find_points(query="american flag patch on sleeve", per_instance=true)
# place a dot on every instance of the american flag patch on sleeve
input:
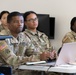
(2, 45)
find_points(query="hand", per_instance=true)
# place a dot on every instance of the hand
(44, 56)
(53, 54)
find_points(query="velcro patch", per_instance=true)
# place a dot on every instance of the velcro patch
(2, 45)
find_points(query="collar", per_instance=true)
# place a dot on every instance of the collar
(74, 34)
(35, 33)
(31, 32)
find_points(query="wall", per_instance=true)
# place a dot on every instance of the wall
(62, 10)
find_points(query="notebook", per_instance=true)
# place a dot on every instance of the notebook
(38, 62)
(42, 63)
(67, 54)
(50, 64)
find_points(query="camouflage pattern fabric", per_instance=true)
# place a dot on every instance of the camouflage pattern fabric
(24, 46)
(36, 43)
(10, 57)
(69, 37)
(1, 27)
(3, 31)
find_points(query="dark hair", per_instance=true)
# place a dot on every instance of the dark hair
(27, 13)
(12, 14)
(2, 13)
(59, 50)
(72, 23)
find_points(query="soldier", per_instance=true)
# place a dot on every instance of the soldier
(7, 56)
(71, 36)
(3, 19)
(37, 42)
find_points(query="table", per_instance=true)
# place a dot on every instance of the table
(33, 67)
(39, 67)
(70, 69)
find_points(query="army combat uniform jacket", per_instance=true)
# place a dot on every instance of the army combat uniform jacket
(27, 47)
(36, 43)
(3, 31)
(69, 37)
(10, 57)
(1, 27)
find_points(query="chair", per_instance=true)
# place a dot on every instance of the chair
(6, 70)
(3, 37)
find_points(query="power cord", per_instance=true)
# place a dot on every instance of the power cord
(50, 67)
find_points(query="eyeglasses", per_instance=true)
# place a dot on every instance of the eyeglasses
(32, 20)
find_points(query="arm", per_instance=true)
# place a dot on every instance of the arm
(10, 58)
(49, 52)
(68, 38)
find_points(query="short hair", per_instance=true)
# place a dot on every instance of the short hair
(72, 23)
(28, 13)
(2, 13)
(12, 14)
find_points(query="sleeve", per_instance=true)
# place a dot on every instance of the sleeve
(68, 38)
(10, 58)
(3, 32)
(21, 50)
(48, 42)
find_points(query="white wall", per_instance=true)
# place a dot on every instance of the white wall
(62, 10)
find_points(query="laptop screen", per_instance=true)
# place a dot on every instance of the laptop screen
(67, 54)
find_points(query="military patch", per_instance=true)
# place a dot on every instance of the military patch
(2, 45)
(6, 53)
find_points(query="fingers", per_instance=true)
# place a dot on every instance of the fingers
(53, 55)
(43, 56)
(47, 55)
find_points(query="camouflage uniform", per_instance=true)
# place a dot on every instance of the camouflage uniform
(36, 43)
(9, 58)
(3, 31)
(1, 27)
(26, 47)
(69, 37)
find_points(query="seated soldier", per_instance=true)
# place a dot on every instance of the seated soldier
(7, 56)
(70, 36)
(37, 42)
(3, 20)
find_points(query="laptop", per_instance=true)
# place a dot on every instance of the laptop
(67, 54)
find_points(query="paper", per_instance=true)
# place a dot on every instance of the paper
(32, 63)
